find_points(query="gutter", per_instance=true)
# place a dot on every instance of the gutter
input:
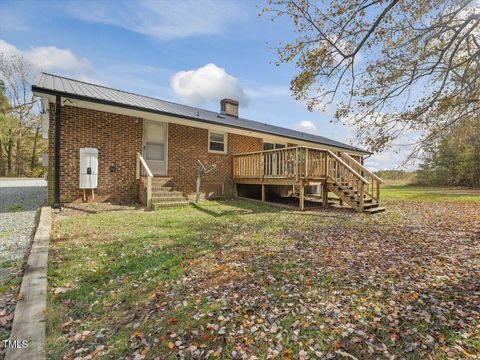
(37, 89)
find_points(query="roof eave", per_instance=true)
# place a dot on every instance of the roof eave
(41, 90)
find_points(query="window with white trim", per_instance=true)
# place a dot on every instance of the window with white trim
(217, 142)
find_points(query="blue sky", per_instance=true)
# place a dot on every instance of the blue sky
(193, 52)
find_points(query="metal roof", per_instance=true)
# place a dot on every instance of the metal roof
(58, 85)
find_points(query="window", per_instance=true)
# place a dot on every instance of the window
(217, 142)
(272, 146)
(155, 151)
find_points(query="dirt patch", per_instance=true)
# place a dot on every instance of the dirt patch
(74, 209)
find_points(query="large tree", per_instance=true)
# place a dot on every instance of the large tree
(392, 67)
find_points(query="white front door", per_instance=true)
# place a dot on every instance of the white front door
(155, 147)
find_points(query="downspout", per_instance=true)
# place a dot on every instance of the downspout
(365, 158)
(58, 113)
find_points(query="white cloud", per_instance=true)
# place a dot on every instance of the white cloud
(306, 126)
(8, 50)
(53, 58)
(164, 20)
(208, 83)
(47, 58)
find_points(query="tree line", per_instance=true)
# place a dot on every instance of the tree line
(454, 159)
(21, 141)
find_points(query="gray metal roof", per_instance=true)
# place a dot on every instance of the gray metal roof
(58, 85)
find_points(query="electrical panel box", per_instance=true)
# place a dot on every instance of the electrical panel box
(88, 168)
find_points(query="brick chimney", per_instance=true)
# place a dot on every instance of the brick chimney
(229, 107)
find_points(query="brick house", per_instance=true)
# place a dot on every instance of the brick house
(169, 141)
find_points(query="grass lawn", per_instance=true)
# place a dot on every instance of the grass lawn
(238, 279)
(420, 193)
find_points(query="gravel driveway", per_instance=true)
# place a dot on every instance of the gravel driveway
(19, 202)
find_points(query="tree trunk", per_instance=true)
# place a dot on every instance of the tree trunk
(9, 158)
(34, 150)
(2, 163)
(476, 163)
(17, 157)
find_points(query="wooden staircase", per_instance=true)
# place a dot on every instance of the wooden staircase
(164, 193)
(350, 196)
(354, 184)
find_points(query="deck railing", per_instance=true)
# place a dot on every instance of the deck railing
(298, 162)
(374, 182)
(302, 163)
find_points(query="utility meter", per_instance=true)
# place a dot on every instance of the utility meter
(88, 168)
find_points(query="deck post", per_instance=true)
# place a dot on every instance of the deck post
(263, 192)
(262, 165)
(302, 196)
(325, 194)
(235, 190)
(296, 163)
(361, 192)
(306, 163)
(149, 191)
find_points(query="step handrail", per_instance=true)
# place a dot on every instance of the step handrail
(360, 177)
(363, 168)
(141, 161)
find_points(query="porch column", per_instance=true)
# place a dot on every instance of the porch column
(58, 113)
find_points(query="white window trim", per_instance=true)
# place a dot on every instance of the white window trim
(225, 142)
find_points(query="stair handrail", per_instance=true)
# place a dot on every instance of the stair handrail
(360, 177)
(141, 161)
(374, 190)
(363, 168)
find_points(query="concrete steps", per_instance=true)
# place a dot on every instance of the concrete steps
(164, 193)
(164, 204)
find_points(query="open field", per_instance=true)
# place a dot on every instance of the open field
(420, 193)
(238, 279)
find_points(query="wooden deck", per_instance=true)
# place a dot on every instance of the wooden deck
(299, 166)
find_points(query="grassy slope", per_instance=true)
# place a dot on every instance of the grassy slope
(167, 282)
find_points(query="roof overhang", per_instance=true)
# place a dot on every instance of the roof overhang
(150, 114)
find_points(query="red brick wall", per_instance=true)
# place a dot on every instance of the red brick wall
(188, 144)
(117, 138)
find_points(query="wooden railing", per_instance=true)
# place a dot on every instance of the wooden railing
(374, 182)
(294, 162)
(142, 163)
(308, 163)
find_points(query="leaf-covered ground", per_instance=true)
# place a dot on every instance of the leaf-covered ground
(241, 280)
